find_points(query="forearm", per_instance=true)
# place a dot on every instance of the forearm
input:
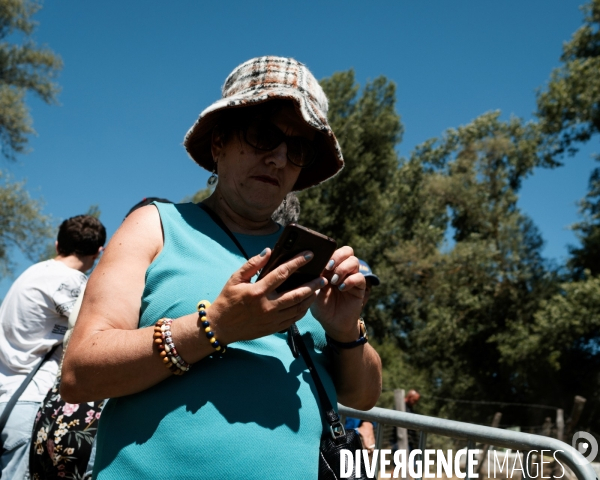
(113, 363)
(357, 376)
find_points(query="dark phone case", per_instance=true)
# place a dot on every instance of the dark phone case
(321, 246)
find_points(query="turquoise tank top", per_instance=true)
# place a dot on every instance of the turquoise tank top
(252, 414)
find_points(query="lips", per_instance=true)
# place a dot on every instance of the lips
(266, 179)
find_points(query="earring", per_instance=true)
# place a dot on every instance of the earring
(212, 180)
(285, 203)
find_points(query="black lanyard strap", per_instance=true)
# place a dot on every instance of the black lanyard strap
(331, 416)
(224, 227)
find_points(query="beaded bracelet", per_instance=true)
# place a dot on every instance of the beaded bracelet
(202, 306)
(170, 357)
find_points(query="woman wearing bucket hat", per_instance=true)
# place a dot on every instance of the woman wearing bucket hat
(233, 400)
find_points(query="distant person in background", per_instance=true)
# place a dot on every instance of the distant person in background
(33, 321)
(288, 211)
(74, 425)
(365, 428)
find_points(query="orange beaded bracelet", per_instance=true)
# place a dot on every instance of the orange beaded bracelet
(168, 352)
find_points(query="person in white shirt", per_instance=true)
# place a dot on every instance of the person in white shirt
(33, 319)
(63, 436)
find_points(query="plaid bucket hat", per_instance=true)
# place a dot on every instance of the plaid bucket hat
(262, 79)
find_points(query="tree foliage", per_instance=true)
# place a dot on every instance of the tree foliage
(465, 288)
(468, 262)
(23, 68)
(22, 224)
(587, 255)
(353, 206)
(357, 206)
(569, 108)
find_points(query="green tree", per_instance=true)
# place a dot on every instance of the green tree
(564, 341)
(569, 107)
(587, 256)
(352, 207)
(356, 206)
(24, 68)
(560, 348)
(467, 262)
(22, 224)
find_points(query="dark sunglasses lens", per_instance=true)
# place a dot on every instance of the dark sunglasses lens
(300, 151)
(263, 136)
(266, 136)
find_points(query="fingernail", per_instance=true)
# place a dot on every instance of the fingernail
(263, 253)
(342, 286)
(322, 283)
(335, 278)
(308, 256)
(330, 265)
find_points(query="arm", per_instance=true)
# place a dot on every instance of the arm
(357, 376)
(367, 432)
(109, 356)
(356, 372)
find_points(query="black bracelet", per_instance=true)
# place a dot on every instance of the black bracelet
(364, 338)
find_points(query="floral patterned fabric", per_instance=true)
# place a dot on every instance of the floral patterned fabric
(62, 437)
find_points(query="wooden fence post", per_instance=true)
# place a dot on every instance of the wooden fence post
(401, 433)
(578, 404)
(560, 424)
(495, 424)
(560, 430)
(547, 427)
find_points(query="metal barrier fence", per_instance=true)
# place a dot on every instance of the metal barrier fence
(472, 433)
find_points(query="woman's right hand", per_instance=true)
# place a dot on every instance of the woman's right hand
(245, 310)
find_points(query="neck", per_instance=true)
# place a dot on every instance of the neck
(73, 261)
(240, 222)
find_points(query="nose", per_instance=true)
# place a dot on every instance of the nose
(278, 156)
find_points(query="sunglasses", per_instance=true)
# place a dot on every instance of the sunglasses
(263, 135)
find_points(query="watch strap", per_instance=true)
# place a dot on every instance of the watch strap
(356, 343)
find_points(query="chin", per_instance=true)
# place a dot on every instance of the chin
(264, 202)
(262, 210)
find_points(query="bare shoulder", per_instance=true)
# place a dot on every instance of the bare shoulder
(113, 294)
(136, 243)
(141, 231)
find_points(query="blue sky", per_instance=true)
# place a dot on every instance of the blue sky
(137, 74)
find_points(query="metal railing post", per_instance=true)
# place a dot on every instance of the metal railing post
(421, 456)
(378, 442)
(525, 465)
(470, 446)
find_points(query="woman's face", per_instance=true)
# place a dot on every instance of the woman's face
(254, 182)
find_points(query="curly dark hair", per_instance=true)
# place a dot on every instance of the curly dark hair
(81, 235)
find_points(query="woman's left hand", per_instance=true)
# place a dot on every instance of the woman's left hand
(339, 303)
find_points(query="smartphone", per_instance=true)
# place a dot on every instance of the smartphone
(295, 239)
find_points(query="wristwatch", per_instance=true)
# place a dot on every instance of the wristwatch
(362, 339)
